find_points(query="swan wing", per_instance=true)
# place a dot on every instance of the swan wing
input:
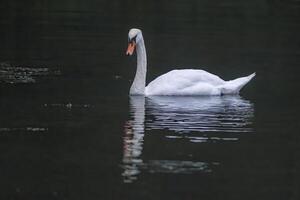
(185, 82)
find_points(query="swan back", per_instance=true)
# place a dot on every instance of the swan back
(185, 82)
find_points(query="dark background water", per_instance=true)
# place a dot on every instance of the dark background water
(68, 129)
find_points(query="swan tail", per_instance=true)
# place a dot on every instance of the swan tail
(234, 86)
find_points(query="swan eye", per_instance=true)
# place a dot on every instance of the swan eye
(132, 39)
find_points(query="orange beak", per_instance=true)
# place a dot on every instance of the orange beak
(130, 48)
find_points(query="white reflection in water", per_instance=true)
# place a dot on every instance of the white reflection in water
(133, 139)
(204, 114)
(197, 119)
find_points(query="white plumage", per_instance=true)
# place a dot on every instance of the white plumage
(185, 82)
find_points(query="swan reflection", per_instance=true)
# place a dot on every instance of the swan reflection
(196, 119)
(133, 139)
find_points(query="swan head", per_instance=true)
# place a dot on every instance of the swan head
(134, 37)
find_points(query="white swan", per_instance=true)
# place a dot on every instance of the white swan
(177, 82)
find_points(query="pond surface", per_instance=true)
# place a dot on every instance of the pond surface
(69, 130)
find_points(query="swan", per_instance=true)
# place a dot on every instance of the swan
(184, 82)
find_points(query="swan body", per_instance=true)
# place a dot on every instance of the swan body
(184, 82)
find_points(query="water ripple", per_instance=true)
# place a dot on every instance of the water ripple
(195, 119)
(166, 166)
(66, 105)
(20, 74)
(23, 129)
(199, 114)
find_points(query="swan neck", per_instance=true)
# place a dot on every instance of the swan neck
(139, 83)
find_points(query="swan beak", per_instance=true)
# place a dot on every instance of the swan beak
(130, 48)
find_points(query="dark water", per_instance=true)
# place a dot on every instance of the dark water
(68, 129)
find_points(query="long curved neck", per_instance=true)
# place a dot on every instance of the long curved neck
(139, 82)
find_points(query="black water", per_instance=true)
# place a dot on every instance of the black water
(68, 129)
